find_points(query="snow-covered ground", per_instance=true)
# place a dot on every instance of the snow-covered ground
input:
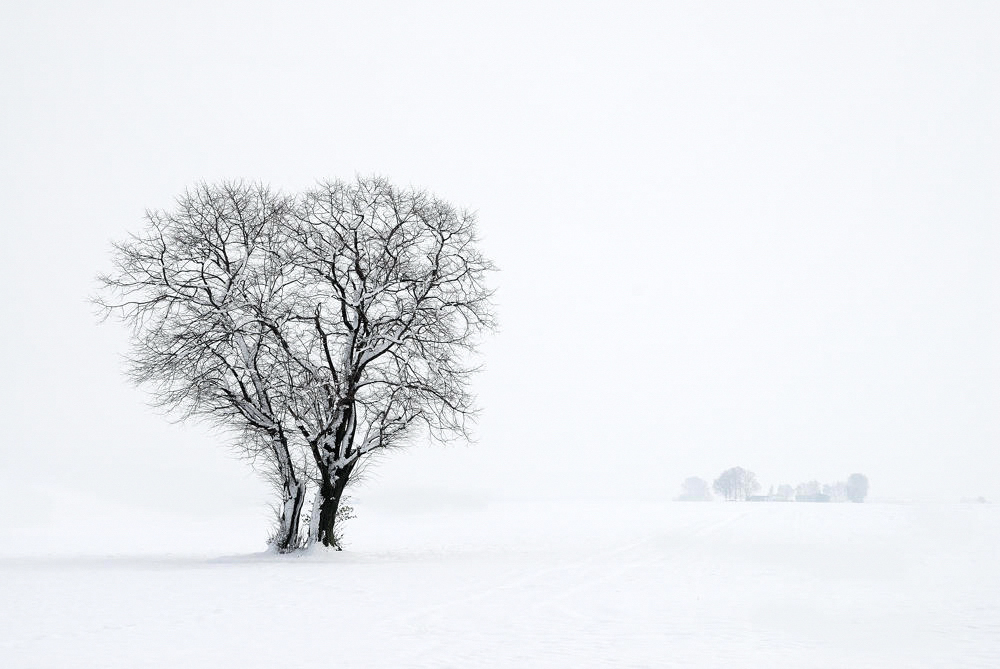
(539, 585)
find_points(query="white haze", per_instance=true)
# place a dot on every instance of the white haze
(755, 234)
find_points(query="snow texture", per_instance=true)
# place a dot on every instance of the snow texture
(540, 585)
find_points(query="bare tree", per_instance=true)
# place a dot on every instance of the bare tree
(694, 489)
(189, 286)
(396, 299)
(837, 492)
(321, 328)
(808, 489)
(857, 487)
(736, 483)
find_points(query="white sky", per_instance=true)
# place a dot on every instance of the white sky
(757, 234)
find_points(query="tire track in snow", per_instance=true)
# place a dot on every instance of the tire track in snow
(706, 530)
(582, 574)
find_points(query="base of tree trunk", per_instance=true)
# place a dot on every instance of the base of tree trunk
(331, 491)
(287, 538)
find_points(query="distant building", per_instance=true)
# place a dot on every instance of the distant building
(767, 498)
(815, 497)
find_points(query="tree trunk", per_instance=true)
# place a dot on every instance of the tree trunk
(287, 537)
(331, 491)
(293, 495)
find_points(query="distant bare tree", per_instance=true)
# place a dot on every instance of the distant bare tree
(695, 489)
(837, 492)
(321, 328)
(785, 491)
(857, 487)
(736, 484)
(809, 488)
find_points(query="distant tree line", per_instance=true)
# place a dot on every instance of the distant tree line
(739, 484)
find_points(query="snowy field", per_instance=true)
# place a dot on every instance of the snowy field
(539, 585)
